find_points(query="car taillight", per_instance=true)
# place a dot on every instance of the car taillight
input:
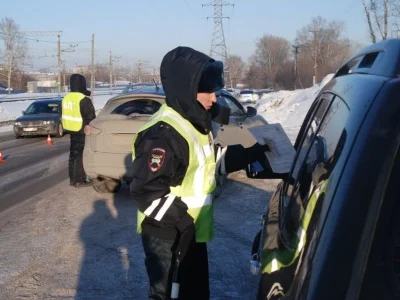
(90, 130)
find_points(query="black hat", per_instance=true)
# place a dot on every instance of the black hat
(212, 78)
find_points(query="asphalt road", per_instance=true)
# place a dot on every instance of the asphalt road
(30, 167)
(59, 242)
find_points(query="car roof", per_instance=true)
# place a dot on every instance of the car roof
(157, 91)
(48, 100)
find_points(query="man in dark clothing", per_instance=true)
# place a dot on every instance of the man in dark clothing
(175, 163)
(77, 112)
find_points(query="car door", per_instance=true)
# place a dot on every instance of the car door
(319, 147)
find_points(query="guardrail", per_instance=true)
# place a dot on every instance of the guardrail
(48, 96)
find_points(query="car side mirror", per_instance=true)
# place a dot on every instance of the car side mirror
(256, 171)
(251, 111)
(23, 112)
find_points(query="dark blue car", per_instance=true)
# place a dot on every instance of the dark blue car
(332, 228)
(42, 117)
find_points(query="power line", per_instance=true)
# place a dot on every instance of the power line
(348, 8)
(218, 45)
(22, 36)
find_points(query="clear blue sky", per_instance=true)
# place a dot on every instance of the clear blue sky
(146, 30)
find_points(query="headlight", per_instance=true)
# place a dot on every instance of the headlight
(17, 124)
(48, 122)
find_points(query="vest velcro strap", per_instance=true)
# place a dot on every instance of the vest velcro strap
(199, 201)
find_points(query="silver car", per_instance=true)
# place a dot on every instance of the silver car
(107, 157)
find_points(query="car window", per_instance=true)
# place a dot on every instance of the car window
(139, 106)
(318, 151)
(246, 92)
(42, 108)
(234, 106)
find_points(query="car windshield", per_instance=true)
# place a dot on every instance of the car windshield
(42, 108)
(246, 92)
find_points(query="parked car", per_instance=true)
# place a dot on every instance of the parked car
(248, 96)
(131, 87)
(332, 227)
(234, 92)
(42, 117)
(107, 155)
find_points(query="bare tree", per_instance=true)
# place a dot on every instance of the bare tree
(15, 47)
(271, 54)
(236, 68)
(377, 14)
(323, 49)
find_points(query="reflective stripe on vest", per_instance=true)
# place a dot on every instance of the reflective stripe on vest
(199, 182)
(274, 260)
(71, 111)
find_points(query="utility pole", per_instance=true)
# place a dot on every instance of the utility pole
(140, 68)
(59, 63)
(112, 58)
(295, 52)
(110, 63)
(92, 71)
(218, 46)
(315, 31)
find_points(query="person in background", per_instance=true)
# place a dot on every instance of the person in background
(77, 112)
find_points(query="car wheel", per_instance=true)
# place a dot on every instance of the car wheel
(18, 136)
(106, 185)
(60, 131)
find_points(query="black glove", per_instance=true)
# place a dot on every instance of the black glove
(256, 152)
(185, 237)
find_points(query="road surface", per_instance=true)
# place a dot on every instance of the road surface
(59, 242)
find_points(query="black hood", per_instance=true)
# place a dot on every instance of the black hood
(77, 83)
(181, 71)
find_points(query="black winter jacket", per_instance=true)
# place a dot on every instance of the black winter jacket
(180, 73)
(78, 84)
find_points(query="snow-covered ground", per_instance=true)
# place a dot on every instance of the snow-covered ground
(289, 107)
(286, 107)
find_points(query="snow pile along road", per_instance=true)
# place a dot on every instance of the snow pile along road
(290, 107)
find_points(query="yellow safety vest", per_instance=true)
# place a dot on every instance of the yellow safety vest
(71, 111)
(197, 187)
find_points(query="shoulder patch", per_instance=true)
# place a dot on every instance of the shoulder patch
(156, 159)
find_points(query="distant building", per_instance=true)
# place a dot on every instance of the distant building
(44, 86)
(39, 76)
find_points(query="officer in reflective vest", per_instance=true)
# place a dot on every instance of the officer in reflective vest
(77, 112)
(175, 163)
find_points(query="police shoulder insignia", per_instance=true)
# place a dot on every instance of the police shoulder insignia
(156, 159)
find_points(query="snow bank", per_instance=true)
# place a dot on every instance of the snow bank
(12, 110)
(289, 107)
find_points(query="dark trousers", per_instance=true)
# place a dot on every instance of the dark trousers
(76, 172)
(193, 270)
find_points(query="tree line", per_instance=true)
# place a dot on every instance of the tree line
(319, 48)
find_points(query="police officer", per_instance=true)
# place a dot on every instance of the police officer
(174, 168)
(77, 112)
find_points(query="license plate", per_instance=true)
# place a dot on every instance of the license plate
(30, 129)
